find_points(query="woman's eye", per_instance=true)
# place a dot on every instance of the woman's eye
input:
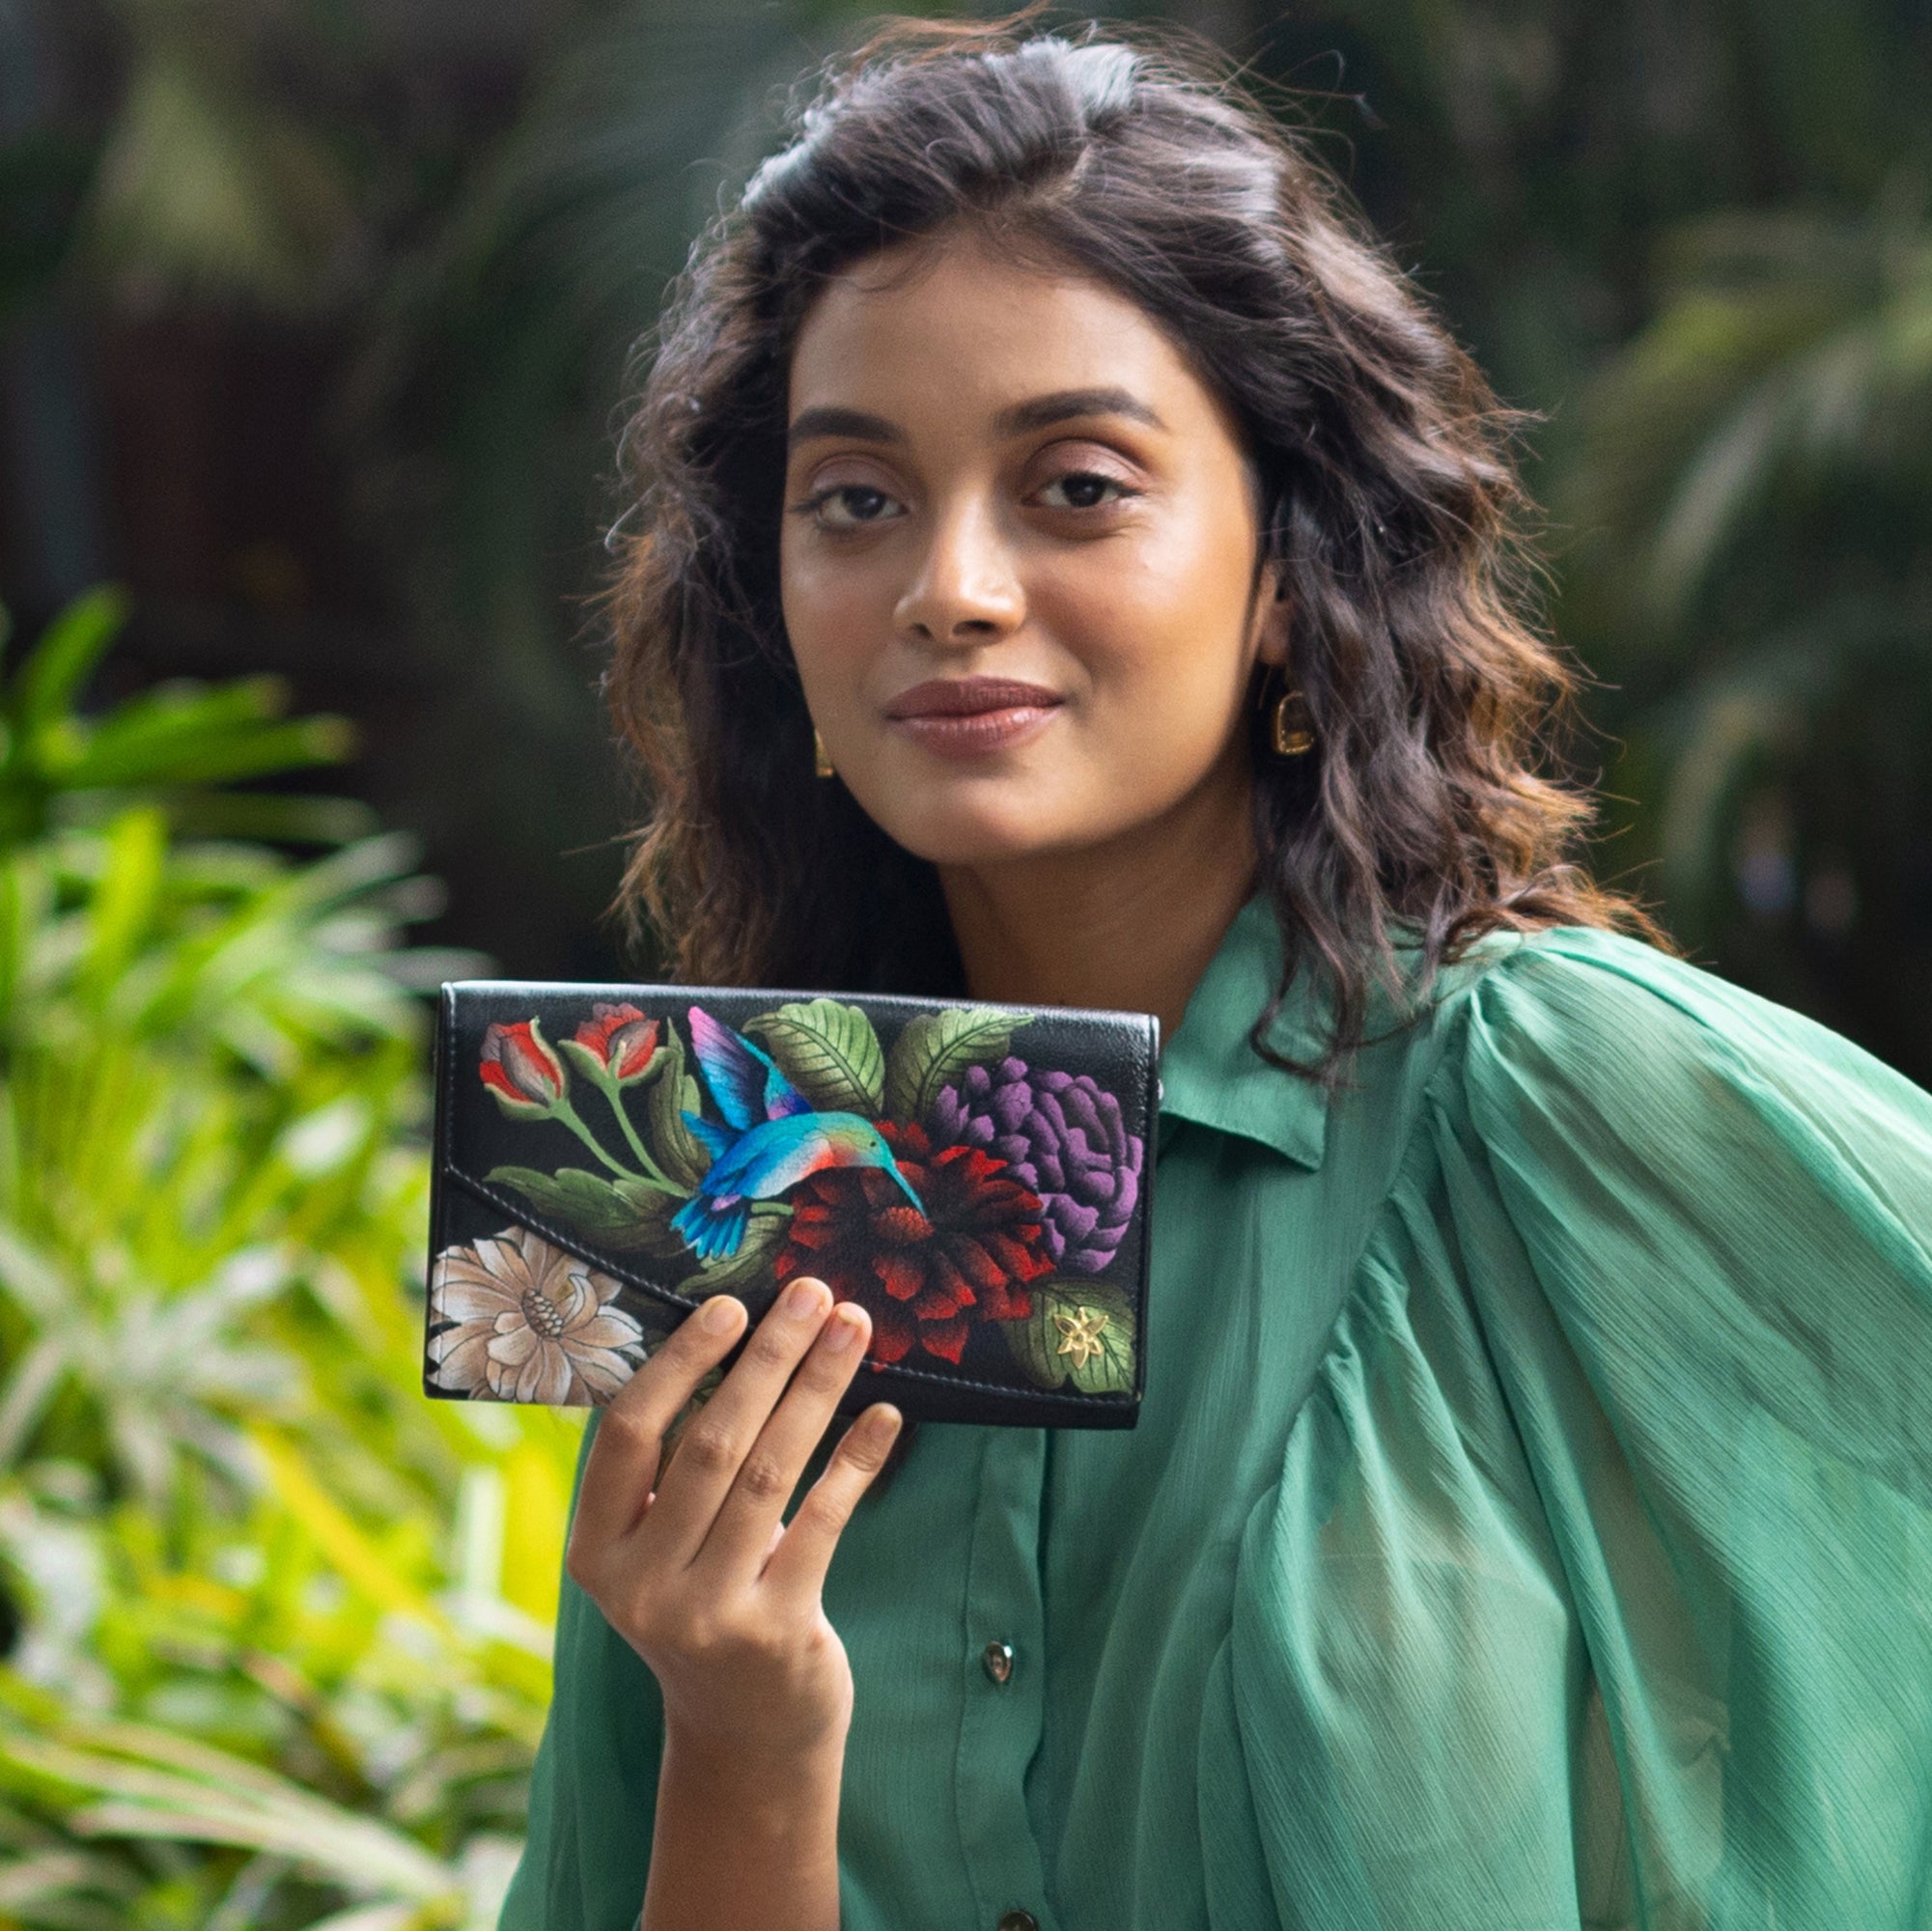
(1083, 490)
(851, 506)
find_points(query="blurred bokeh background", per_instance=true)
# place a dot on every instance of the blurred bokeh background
(315, 317)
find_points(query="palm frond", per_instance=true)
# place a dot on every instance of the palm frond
(1789, 351)
(148, 1783)
(208, 192)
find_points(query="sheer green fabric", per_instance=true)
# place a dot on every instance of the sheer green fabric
(1530, 1524)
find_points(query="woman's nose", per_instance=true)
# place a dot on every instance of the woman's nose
(967, 590)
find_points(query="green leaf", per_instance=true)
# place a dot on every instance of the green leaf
(937, 1047)
(751, 1264)
(829, 1051)
(128, 896)
(678, 1149)
(68, 648)
(1045, 1344)
(588, 1063)
(184, 734)
(595, 1068)
(294, 818)
(625, 1215)
(653, 1233)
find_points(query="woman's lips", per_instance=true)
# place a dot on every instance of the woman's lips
(968, 717)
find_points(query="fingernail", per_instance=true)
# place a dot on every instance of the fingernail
(804, 1297)
(843, 1331)
(719, 1313)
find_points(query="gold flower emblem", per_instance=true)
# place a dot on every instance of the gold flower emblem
(1079, 1334)
(533, 1324)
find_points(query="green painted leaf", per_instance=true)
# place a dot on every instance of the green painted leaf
(584, 1199)
(625, 1215)
(1091, 1307)
(829, 1051)
(677, 1148)
(751, 1265)
(583, 1059)
(596, 1069)
(1036, 1362)
(935, 1048)
(652, 1232)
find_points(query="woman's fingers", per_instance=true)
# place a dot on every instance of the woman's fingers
(712, 1447)
(799, 1565)
(624, 1458)
(739, 1457)
(743, 1535)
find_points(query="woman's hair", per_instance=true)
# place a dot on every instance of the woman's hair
(1390, 503)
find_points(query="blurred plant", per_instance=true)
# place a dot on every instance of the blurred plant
(481, 272)
(1757, 464)
(495, 358)
(208, 186)
(172, 744)
(1791, 358)
(44, 179)
(254, 1675)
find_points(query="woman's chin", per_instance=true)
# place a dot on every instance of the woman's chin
(981, 837)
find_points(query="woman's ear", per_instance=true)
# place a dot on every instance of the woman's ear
(1273, 609)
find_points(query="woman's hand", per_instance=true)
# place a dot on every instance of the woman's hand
(693, 1562)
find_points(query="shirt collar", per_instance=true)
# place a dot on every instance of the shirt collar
(1209, 1072)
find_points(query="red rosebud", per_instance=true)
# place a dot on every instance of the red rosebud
(616, 1041)
(519, 1068)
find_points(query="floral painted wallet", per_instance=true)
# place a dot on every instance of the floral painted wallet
(977, 1177)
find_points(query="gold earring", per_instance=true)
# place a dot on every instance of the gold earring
(1291, 730)
(822, 763)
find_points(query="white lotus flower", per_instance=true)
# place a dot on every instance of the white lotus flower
(533, 1324)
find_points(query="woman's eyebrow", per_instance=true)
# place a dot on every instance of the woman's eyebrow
(1022, 419)
(1063, 405)
(832, 421)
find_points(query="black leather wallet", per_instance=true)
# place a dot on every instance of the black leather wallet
(976, 1176)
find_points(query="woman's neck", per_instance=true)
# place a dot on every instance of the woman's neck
(1130, 926)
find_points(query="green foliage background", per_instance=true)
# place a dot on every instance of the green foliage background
(279, 1627)
(274, 1629)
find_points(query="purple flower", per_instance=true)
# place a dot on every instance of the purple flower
(1063, 1138)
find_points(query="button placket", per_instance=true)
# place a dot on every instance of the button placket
(1004, 1707)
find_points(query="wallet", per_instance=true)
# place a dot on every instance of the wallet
(978, 1177)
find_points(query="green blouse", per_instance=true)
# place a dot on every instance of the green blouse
(1528, 1524)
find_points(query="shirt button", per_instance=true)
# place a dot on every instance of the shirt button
(1018, 1920)
(996, 1659)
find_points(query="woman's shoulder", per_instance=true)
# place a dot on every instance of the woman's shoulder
(1633, 1361)
(1633, 1114)
(1621, 1030)
(1587, 1081)
(1589, 987)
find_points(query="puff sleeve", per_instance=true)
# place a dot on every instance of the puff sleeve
(1596, 1590)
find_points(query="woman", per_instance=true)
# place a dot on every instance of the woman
(1528, 1521)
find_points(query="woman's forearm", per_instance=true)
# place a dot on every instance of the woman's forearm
(743, 1847)
(689, 1558)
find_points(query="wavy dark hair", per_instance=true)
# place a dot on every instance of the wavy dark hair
(1391, 505)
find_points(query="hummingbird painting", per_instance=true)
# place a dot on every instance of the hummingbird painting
(771, 1139)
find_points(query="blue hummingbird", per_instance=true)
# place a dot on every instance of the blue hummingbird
(771, 1139)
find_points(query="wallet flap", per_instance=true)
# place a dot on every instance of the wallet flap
(977, 1176)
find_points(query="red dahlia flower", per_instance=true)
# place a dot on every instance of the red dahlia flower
(519, 1068)
(926, 1276)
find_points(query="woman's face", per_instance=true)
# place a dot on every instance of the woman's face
(1018, 561)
